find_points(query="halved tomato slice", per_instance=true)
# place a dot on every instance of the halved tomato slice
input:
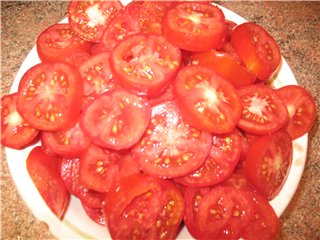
(170, 147)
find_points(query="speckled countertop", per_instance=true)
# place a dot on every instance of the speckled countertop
(295, 26)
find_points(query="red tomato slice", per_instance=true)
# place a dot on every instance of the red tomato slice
(207, 101)
(70, 143)
(167, 95)
(195, 27)
(222, 160)
(301, 108)
(77, 58)
(50, 96)
(58, 41)
(264, 221)
(268, 163)
(225, 66)
(119, 119)
(144, 207)
(257, 49)
(96, 214)
(230, 27)
(96, 75)
(69, 171)
(263, 111)
(89, 19)
(145, 64)
(169, 147)
(15, 132)
(43, 170)
(223, 213)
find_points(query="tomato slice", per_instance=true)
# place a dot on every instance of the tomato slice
(145, 64)
(195, 27)
(43, 170)
(170, 147)
(70, 143)
(96, 214)
(58, 41)
(222, 160)
(69, 171)
(207, 101)
(97, 75)
(257, 48)
(50, 96)
(268, 163)
(144, 207)
(263, 111)
(225, 66)
(77, 58)
(120, 119)
(301, 108)
(15, 132)
(89, 19)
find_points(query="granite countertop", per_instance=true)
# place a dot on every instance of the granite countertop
(295, 26)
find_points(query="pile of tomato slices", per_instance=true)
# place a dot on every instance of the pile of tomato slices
(156, 114)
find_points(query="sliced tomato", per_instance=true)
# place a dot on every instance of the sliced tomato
(230, 26)
(89, 19)
(170, 147)
(119, 119)
(145, 64)
(69, 171)
(222, 160)
(268, 163)
(77, 58)
(301, 108)
(257, 49)
(223, 213)
(50, 96)
(263, 111)
(96, 214)
(97, 75)
(167, 95)
(144, 207)
(15, 131)
(58, 41)
(207, 101)
(224, 65)
(69, 143)
(195, 27)
(43, 170)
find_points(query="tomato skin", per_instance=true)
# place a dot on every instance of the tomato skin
(301, 108)
(58, 41)
(88, 19)
(257, 48)
(225, 66)
(43, 170)
(188, 24)
(15, 132)
(145, 64)
(207, 101)
(268, 162)
(263, 110)
(50, 96)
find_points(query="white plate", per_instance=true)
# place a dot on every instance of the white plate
(76, 224)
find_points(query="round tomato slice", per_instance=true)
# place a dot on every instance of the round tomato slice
(223, 213)
(43, 170)
(195, 27)
(224, 65)
(268, 163)
(70, 143)
(50, 96)
(263, 111)
(257, 49)
(58, 41)
(89, 19)
(170, 147)
(15, 132)
(301, 108)
(222, 160)
(144, 207)
(207, 101)
(145, 64)
(119, 119)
